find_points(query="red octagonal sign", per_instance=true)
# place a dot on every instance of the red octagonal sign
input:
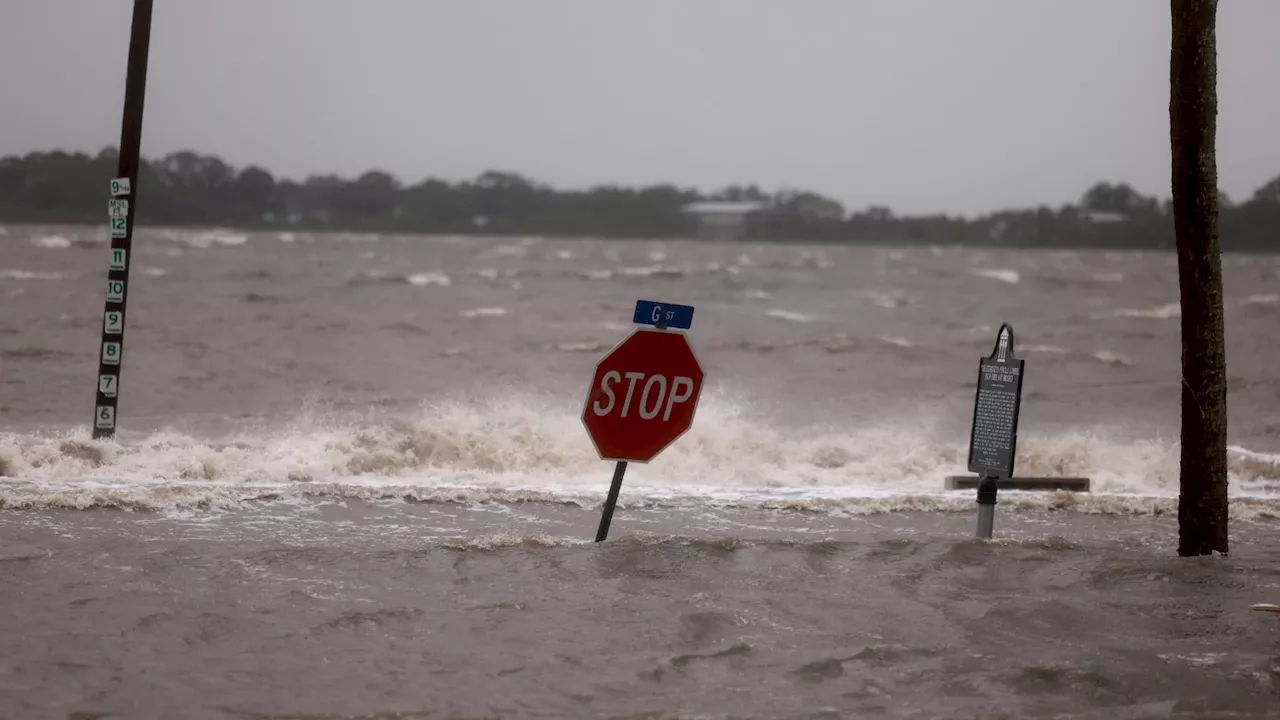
(643, 395)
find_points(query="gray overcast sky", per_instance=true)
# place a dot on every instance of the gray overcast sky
(959, 106)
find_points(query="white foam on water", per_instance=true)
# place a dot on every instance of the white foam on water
(4, 231)
(652, 271)
(534, 448)
(898, 341)
(485, 312)
(596, 274)
(1048, 349)
(889, 300)
(19, 274)
(1111, 357)
(426, 279)
(813, 259)
(51, 242)
(355, 237)
(209, 238)
(286, 237)
(153, 271)
(757, 295)
(790, 315)
(1267, 299)
(1110, 277)
(585, 346)
(487, 273)
(1160, 312)
(563, 255)
(509, 251)
(1008, 276)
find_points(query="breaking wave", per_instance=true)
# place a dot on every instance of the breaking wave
(534, 449)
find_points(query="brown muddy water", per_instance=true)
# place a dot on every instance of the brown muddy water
(351, 482)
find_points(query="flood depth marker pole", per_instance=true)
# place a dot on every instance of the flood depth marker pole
(121, 209)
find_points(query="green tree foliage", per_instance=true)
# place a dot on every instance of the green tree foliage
(186, 188)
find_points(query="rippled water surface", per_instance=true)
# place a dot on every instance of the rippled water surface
(351, 481)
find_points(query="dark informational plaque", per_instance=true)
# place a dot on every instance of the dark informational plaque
(993, 441)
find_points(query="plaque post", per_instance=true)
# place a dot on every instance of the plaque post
(993, 440)
(987, 488)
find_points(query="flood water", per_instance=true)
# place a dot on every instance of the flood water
(351, 481)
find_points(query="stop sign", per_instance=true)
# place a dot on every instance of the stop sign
(643, 395)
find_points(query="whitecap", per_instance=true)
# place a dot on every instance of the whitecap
(1111, 357)
(51, 242)
(429, 278)
(588, 346)
(790, 315)
(207, 239)
(484, 312)
(652, 271)
(884, 299)
(1007, 276)
(1160, 312)
(509, 250)
(899, 341)
(1267, 299)
(811, 259)
(1050, 349)
(16, 274)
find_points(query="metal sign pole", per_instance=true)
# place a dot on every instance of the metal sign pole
(121, 210)
(606, 517)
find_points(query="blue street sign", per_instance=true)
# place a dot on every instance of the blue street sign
(649, 312)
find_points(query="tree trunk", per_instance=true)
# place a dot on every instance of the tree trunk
(1193, 109)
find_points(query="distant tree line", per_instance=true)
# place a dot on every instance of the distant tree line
(189, 189)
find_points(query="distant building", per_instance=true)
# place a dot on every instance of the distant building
(723, 220)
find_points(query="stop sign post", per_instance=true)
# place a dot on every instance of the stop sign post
(643, 395)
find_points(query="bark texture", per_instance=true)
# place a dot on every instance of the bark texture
(1193, 110)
